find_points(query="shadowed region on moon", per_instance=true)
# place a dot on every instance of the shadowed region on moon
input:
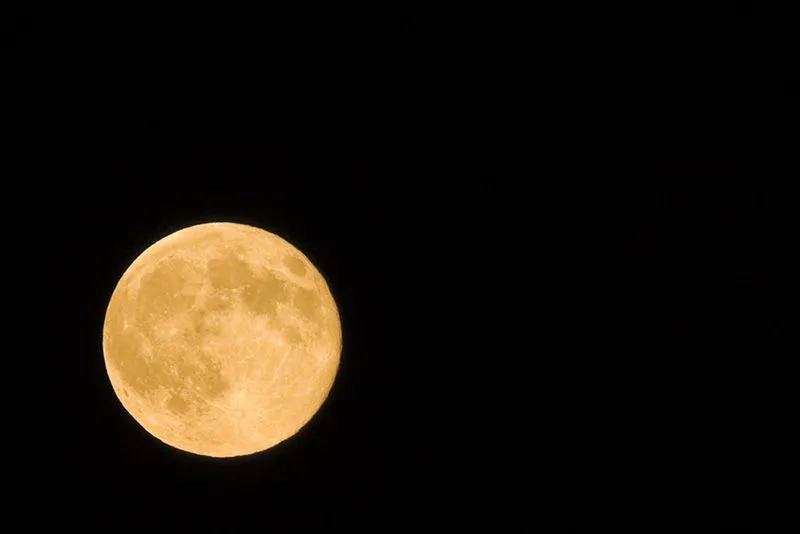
(222, 340)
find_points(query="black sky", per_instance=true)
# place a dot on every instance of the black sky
(559, 266)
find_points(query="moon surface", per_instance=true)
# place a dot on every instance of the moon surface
(222, 340)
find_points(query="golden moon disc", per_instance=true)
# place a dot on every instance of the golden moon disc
(222, 340)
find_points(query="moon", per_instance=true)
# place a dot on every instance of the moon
(222, 340)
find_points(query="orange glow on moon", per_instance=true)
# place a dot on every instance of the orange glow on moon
(222, 340)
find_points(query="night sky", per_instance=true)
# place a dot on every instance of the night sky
(555, 298)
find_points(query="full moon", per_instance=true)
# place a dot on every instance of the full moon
(222, 340)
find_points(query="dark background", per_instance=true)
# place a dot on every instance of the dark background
(559, 257)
